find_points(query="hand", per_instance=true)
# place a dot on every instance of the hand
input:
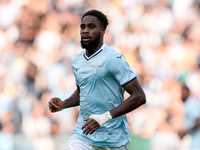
(182, 134)
(91, 126)
(95, 122)
(197, 122)
(55, 104)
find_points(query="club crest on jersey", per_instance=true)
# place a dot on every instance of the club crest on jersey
(95, 68)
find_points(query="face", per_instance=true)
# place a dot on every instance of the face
(91, 33)
(184, 94)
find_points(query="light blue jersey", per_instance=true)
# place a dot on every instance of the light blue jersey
(100, 79)
(192, 112)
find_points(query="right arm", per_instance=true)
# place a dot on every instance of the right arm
(192, 129)
(55, 104)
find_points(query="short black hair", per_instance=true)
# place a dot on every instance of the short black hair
(101, 17)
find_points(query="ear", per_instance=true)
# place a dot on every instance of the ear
(103, 30)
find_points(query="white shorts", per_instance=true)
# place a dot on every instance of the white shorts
(76, 144)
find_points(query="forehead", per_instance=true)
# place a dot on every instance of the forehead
(90, 20)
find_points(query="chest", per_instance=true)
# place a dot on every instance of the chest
(89, 71)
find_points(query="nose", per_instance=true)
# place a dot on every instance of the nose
(85, 30)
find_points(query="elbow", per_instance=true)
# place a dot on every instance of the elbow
(142, 99)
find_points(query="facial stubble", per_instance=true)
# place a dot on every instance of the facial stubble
(92, 44)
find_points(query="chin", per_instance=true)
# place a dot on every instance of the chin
(91, 45)
(83, 45)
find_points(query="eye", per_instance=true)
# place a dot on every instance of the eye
(82, 26)
(92, 26)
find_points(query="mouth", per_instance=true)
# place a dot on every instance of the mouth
(85, 38)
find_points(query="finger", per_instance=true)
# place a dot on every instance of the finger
(86, 124)
(58, 101)
(86, 119)
(90, 127)
(90, 122)
(51, 107)
(94, 129)
(87, 129)
(52, 103)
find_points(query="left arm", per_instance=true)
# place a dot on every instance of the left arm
(135, 100)
(192, 129)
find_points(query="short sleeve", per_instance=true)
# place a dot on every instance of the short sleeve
(73, 70)
(194, 107)
(120, 69)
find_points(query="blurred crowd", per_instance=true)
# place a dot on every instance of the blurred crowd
(159, 38)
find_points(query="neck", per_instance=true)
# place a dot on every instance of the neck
(91, 52)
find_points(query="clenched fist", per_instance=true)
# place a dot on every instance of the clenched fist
(55, 104)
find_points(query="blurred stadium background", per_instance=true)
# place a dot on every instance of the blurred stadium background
(160, 39)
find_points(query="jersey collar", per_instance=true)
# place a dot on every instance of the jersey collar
(97, 52)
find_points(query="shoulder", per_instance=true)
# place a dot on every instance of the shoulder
(77, 57)
(115, 60)
(112, 54)
(192, 103)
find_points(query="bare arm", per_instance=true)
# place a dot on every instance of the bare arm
(135, 100)
(73, 100)
(56, 104)
(192, 129)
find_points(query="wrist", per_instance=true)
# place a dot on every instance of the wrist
(103, 118)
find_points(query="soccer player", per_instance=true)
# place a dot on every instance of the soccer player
(102, 75)
(192, 117)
